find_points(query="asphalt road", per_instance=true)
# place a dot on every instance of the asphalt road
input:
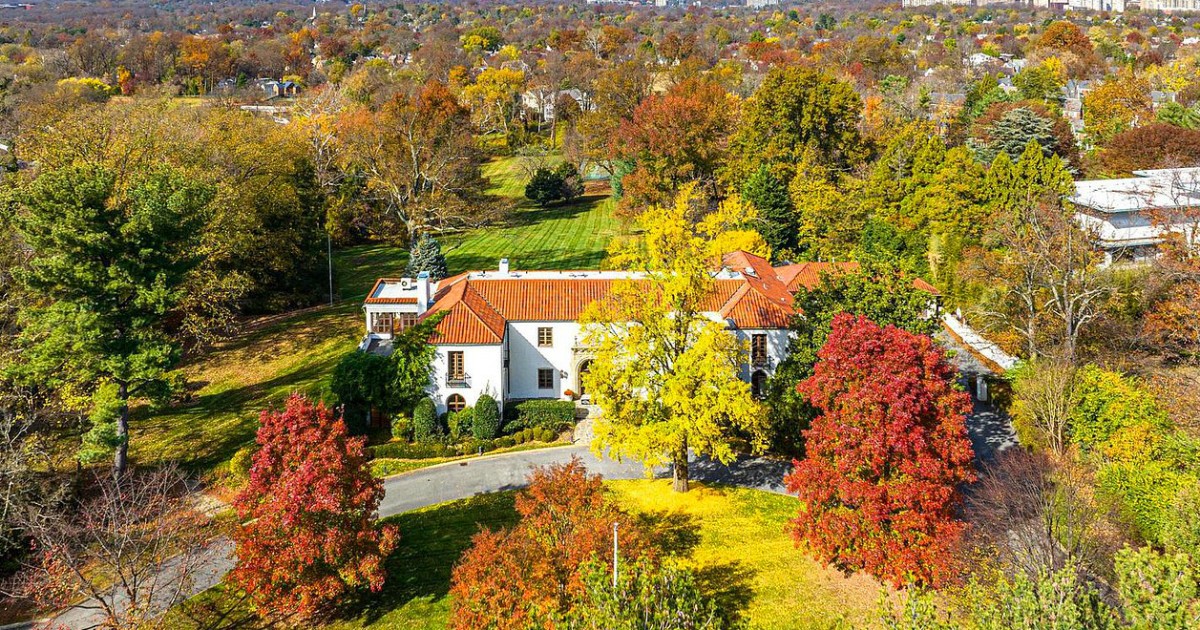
(459, 480)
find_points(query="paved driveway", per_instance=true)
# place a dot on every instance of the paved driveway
(460, 480)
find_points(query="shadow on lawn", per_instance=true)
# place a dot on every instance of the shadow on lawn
(218, 424)
(677, 534)
(528, 215)
(431, 542)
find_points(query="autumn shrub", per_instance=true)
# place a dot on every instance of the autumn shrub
(530, 574)
(646, 596)
(1181, 526)
(879, 488)
(1105, 402)
(486, 423)
(402, 427)
(425, 421)
(309, 535)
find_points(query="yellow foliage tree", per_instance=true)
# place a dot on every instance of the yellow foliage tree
(1118, 103)
(665, 375)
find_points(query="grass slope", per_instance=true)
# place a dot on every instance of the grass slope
(231, 384)
(234, 382)
(735, 540)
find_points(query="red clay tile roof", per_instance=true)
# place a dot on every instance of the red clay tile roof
(469, 318)
(477, 309)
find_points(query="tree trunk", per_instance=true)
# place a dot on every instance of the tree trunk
(680, 468)
(121, 461)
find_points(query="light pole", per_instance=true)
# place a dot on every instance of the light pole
(615, 557)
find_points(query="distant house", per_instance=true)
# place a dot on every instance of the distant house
(543, 101)
(277, 89)
(515, 335)
(1131, 217)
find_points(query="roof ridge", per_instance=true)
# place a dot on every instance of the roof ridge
(475, 294)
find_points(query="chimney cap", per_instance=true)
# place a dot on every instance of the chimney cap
(424, 275)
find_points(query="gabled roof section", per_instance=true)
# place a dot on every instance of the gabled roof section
(469, 319)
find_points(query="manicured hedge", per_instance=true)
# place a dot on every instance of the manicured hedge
(404, 450)
(425, 421)
(487, 418)
(427, 450)
(554, 415)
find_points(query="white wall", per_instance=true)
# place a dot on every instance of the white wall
(777, 348)
(484, 366)
(525, 357)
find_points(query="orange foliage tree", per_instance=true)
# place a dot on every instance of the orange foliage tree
(529, 575)
(675, 138)
(309, 511)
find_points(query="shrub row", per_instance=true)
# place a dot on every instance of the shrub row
(554, 415)
(427, 450)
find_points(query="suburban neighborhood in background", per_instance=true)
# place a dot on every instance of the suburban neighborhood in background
(600, 314)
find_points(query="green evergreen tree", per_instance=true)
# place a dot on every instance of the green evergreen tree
(778, 223)
(110, 261)
(1034, 178)
(426, 255)
(544, 187)
(1013, 132)
(486, 424)
(425, 421)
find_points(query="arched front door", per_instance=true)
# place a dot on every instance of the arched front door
(585, 366)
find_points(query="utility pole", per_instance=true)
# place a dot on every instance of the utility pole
(615, 557)
(329, 257)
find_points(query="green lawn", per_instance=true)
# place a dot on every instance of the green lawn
(733, 538)
(232, 383)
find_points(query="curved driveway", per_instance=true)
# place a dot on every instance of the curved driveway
(460, 480)
(990, 432)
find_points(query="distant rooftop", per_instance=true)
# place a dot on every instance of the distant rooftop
(1151, 189)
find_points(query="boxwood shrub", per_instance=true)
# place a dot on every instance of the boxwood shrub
(487, 418)
(554, 415)
(404, 450)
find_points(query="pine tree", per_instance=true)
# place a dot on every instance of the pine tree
(111, 262)
(426, 255)
(777, 218)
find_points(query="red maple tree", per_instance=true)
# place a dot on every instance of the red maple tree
(309, 532)
(527, 575)
(879, 487)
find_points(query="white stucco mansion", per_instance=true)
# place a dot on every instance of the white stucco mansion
(515, 334)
